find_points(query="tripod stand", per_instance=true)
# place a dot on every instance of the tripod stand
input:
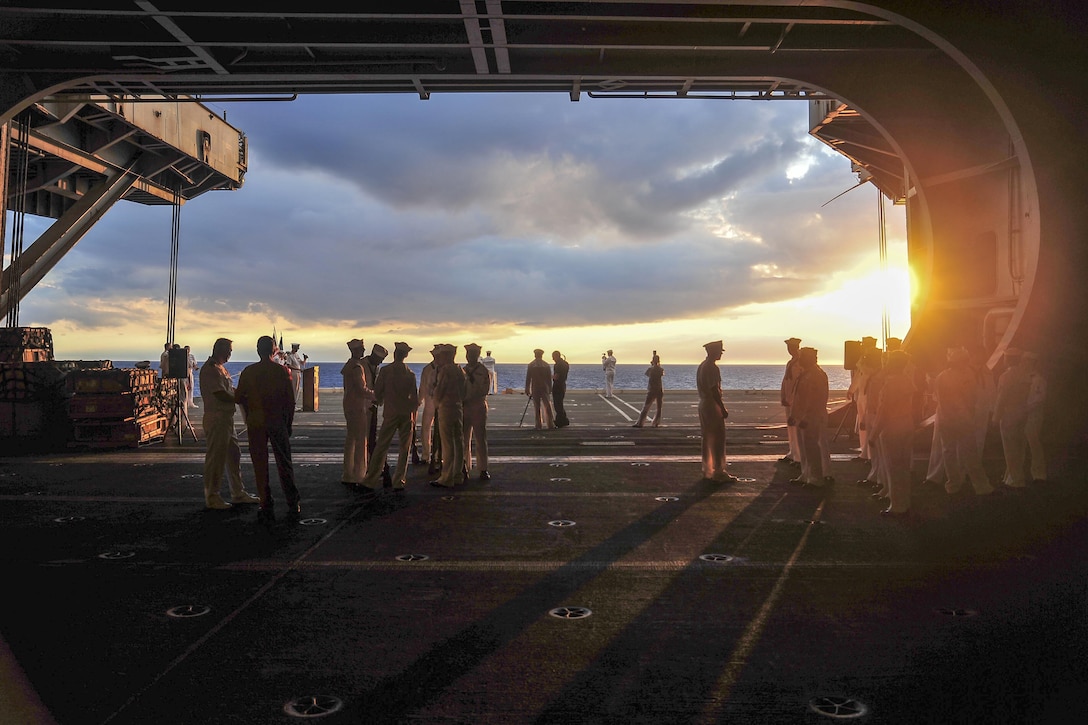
(179, 414)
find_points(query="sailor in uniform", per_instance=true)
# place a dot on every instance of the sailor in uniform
(478, 383)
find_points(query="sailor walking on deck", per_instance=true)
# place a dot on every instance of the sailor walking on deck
(655, 392)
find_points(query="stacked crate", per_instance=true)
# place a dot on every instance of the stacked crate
(113, 407)
(32, 403)
(25, 344)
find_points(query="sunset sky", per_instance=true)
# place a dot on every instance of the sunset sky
(513, 221)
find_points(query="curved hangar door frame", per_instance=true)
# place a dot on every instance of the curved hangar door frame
(935, 130)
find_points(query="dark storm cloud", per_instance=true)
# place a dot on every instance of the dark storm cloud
(492, 210)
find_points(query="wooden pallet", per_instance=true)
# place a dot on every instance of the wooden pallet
(112, 380)
(111, 432)
(110, 405)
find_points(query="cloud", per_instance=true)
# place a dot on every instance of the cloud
(393, 213)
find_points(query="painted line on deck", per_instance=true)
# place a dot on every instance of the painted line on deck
(616, 408)
(197, 457)
(557, 492)
(485, 566)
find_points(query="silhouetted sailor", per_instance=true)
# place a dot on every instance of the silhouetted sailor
(477, 385)
(190, 366)
(560, 372)
(223, 451)
(789, 383)
(394, 390)
(608, 362)
(427, 379)
(373, 363)
(538, 386)
(358, 398)
(1011, 414)
(809, 412)
(1033, 424)
(296, 361)
(894, 428)
(655, 392)
(268, 403)
(956, 390)
(712, 414)
(871, 364)
(489, 363)
(449, 394)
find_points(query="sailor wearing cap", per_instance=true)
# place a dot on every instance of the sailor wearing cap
(478, 383)
(789, 382)
(449, 394)
(394, 390)
(538, 386)
(893, 428)
(358, 397)
(489, 363)
(956, 390)
(809, 413)
(295, 362)
(427, 379)
(712, 414)
(608, 362)
(373, 361)
(1014, 389)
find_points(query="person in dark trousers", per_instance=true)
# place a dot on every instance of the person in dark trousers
(655, 392)
(560, 371)
(268, 403)
(396, 392)
(373, 362)
(477, 383)
(538, 386)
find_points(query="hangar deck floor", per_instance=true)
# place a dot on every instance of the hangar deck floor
(594, 579)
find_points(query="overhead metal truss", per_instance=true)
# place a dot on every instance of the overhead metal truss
(170, 48)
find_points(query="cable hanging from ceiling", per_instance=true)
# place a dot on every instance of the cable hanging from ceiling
(19, 136)
(172, 293)
(885, 320)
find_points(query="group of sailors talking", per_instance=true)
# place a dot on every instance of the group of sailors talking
(453, 421)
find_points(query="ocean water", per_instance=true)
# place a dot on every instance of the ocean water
(591, 377)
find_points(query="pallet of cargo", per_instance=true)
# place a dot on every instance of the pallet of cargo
(20, 381)
(129, 432)
(112, 380)
(26, 344)
(109, 405)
